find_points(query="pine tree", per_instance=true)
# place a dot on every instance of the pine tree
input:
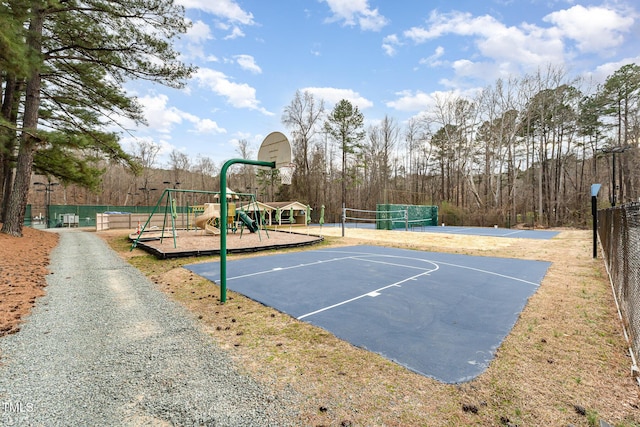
(344, 126)
(82, 52)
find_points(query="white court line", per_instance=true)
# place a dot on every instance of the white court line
(513, 232)
(368, 294)
(369, 254)
(474, 231)
(450, 265)
(258, 273)
(359, 254)
(452, 230)
(491, 273)
(393, 263)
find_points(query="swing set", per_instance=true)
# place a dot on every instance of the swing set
(206, 216)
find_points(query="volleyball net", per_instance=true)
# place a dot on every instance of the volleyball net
(391, 217)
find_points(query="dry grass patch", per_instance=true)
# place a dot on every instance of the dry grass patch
(565, 362)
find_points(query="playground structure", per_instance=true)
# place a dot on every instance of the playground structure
(207, 220)
(172, 230)
(205, 216)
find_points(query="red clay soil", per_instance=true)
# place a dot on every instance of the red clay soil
(23, 270)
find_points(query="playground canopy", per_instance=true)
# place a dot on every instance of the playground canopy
(283, 211)
(230, 194)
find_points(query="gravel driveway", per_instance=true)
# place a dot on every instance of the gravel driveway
(105, 347)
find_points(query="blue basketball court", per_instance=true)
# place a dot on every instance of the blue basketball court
(440, 315)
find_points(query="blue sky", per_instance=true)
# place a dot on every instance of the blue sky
(387, 57)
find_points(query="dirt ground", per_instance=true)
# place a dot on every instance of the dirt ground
(566, 361)
(23, 267)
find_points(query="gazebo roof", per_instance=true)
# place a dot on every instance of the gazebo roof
(251, 206)
(286, 205)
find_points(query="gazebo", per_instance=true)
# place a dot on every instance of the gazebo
(285, 210)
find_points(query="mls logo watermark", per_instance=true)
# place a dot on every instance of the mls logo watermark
(12, 409)
(17, 407)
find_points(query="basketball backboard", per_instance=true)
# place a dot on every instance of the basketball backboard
(275, 148)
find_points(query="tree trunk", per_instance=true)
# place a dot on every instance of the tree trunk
(9, 112)
(17, 203)
(18, 198)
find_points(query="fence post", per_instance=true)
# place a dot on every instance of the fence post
(594, 213)
(595, 188)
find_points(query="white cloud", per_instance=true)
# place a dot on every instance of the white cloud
(208, 126)
(416, 101)
(196, 37)
(434, 60)
(531, 47)
(234, 34)
(595, 29)
(356, 12)
(239, 95)
(602, 72)
(316, 50)
(460, 23)
(202, 126)
(478, 71)
(390, 43)
(332, 96)
(199, 32)
(501, 49)
(411, 101)
(247, 62)
(504, 50)
(226, 9)
(160, 117)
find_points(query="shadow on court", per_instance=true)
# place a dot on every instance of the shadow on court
(440, 315)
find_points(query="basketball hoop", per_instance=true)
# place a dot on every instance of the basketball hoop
(286, 173)
(276, 149)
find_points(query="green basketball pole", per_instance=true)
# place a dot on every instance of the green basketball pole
(223, 217)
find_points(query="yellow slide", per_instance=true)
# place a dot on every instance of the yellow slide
(206, 220)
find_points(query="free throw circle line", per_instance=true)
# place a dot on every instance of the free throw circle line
(396, 284)
(447, 264)
(277, 269)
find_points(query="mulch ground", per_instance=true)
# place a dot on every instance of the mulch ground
(23, 269)
(198, 243)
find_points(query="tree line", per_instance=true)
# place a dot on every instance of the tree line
(522, 150)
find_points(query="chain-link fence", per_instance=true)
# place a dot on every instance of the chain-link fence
(82, 215)
(619, 233)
